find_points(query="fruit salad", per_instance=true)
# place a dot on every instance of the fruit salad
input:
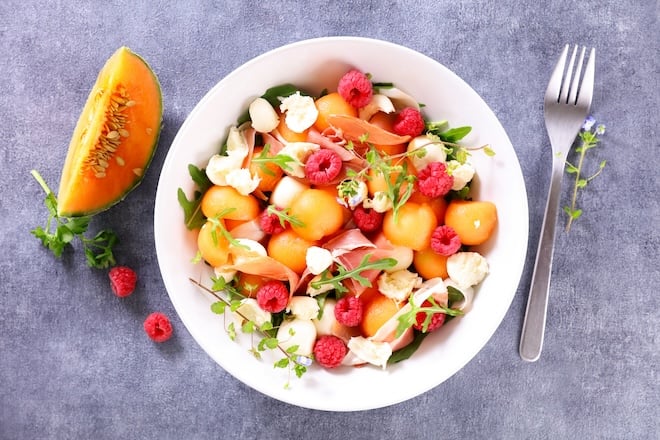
(340, 227)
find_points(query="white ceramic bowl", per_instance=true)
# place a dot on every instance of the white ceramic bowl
(314, 65)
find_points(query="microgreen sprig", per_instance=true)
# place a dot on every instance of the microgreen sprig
(406, 320)
(327, 277)
(284, 217)
(281, 160)
(296, 363)
(588, 140)
(98, 249)
(219, 225)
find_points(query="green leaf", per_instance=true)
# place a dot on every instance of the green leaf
(248, 327)
(231, 331)
(581, 183)
(282, 363)
(455, 134)
(218, 307)
(570, 168)
(408, 350)
(454, 295)
(193, 216)
(273, 94)
(292, 349)
(489, 151)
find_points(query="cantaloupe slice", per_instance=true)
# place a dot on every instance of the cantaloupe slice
(115, 137)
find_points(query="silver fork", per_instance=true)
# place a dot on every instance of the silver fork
(566, 105)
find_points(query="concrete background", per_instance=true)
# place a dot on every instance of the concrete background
(74, 360)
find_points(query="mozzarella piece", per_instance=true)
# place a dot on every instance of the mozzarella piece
(251, 310)
(263, 115)
(241, 255)
(327, 321)
(428, 149)
(311, 291)
(285, 191)
(467, 268)
(462, 173)
(380, 203)
(378, 103)
(303, 307)
(226, 274)
(219, 166)
(399, 98)
(300, 112)
(398, 285)
(242, 181)
(376, 353)
(318, 259)
(300, 332)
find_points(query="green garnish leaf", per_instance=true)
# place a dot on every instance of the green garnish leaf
(408, 350)
(193, 216)
(343, 274)
(454, 134)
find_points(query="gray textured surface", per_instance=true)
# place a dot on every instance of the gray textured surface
(74, 361)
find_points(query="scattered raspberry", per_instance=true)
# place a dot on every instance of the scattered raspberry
(322, 166)
(122, 280)
(437, 319)
(445, 241)
(355, 88)
(273, 296)
(329, 351)
(270, 223)
(367, 219)
(409, 122)
(158, 327)
(433, 180)
(348, 311)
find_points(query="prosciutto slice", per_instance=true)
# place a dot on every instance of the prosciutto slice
(254, 264)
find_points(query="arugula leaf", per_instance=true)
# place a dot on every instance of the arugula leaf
(408, 350)
(455, 134)
(193, 216)
(273, 94)
(343, 273)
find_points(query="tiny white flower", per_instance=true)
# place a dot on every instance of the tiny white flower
(381, 202)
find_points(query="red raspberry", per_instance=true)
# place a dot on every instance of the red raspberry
(409, 122)
(437, 319)
(355, 88)
(433, 180)
(348, 311)
(270, 223)
(158, 327)
(273, 296)
(367, 219)
(122, 280)
(322, 166)
(445, 241)
(329, 351)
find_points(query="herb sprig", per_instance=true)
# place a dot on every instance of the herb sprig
(327, 277)
(588, 140)
(406, 320)
(60, 232)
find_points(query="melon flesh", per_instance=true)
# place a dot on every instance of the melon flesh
(115, 137)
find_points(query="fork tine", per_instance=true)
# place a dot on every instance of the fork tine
(565, 86)
(572, 96)
(587, 88)
(554, 85)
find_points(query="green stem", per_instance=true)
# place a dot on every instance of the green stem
(575, 187)
(41, 181)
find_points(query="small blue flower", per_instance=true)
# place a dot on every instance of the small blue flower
(588, 123)
(304, 360)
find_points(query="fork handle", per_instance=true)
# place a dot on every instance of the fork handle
(531, 340)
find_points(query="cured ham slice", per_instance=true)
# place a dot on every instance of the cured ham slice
(254, 264)
(355, 130)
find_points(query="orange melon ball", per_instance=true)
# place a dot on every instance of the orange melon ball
(386, 122)
(412, 227)
(248, 284)
(437, 204)
(376, 180)
(331, 104)
(288, 134)
(214, 250)
(269, 173)
(319, 213)
(429, 265)
(290, 249)
(474, 221)
(219, 199)
(332, 190)
(377, 311)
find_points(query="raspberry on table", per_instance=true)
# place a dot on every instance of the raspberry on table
(445, 241)
(433, 180)
(273, 296)
(158, 327)
(122, 280)
(355, 88)
(367, 219)
(270, 223)
(409, 122)
(349, 310)
(329, 351)
(437, 319)
(322, 166)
